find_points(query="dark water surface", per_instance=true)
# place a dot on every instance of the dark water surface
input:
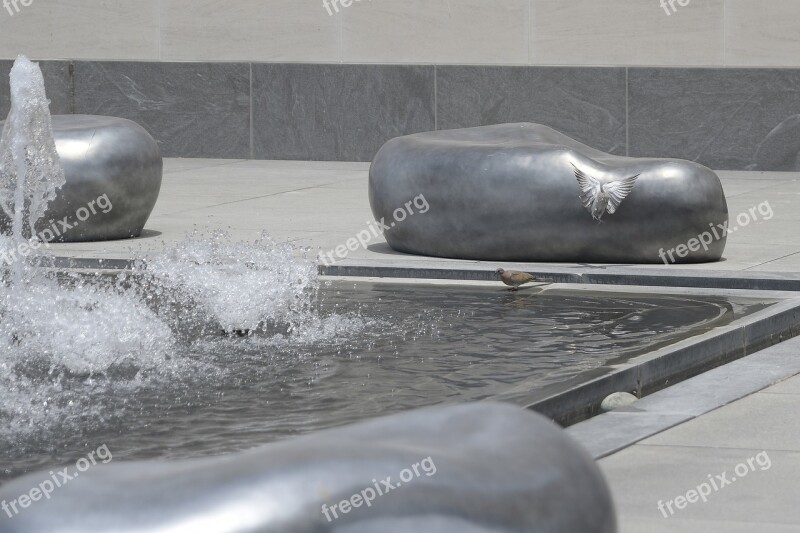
(376, 349)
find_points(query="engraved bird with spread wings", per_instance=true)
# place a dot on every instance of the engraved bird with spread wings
(601, 197)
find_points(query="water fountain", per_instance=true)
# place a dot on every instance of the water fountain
(214, 346)
(52, 333)
(72, 342)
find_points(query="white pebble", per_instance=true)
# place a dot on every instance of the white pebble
(617, 400)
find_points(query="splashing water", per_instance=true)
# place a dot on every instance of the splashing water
(263, 290)
(75, 350)
(78, 329)
(243, 287)
(50, 333)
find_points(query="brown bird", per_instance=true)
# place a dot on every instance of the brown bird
(515, 278)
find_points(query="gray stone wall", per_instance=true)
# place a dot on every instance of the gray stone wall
(724, 118)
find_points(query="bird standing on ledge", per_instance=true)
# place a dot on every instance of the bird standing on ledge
(514, 278)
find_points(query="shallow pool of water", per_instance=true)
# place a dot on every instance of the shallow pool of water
(370, 349)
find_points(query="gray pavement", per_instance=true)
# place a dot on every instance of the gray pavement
(760, 499)
(673, 440)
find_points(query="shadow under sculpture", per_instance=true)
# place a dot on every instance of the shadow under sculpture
(525, 192)
(113, 170)
(484, 467)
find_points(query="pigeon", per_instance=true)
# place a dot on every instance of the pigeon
(599, 198)
(514, 278)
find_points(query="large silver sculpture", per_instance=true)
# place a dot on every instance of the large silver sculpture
(509, 193)
(113, 171)
(471, 468)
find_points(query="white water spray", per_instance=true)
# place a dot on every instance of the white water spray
(30, 170)
(71, 348)
(49, 330)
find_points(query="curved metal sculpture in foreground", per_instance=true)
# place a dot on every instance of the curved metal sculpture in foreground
(525, 192)
(484, 467)
(113, 171)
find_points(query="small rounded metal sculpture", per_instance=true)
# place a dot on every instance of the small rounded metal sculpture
(113, 171)
(525, 192)
(484, 467)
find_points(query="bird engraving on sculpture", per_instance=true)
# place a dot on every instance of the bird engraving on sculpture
(601, 197)
(514, 278)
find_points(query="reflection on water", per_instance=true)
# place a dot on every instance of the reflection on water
(358, 350)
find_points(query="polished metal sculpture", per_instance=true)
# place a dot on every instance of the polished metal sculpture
(113, 171)
(484, 467)
(508, 192)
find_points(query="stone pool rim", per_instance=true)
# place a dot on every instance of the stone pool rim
(579, 397)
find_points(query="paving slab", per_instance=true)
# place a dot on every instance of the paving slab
(789, 386)
(178, 164)
(765, 421)
(643, 476)
(682, 525)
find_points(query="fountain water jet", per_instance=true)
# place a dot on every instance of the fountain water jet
(30, 171)
(51, 333)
